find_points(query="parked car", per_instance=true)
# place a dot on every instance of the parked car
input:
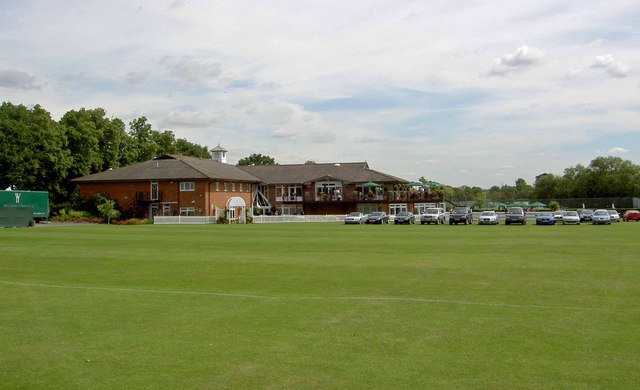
(585, 214)
(404, 217)
(558, 215)
(615, 217)
(515, 215)
(378, 217)
(461, 215)
(433, 215)
(545, 218)
(488, 217)
(631, 215)
(601, 217)
(571, 217)
(355, 218)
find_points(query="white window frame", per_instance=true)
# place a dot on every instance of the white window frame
(420, 208)
(187, 186)
(289, 193)
(328, 190)
(217, 186)
(187, 211)
(395, 208)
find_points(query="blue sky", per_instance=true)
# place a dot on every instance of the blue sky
(460, 92)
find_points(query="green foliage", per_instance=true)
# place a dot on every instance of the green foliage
(553, 205)
(257, 159)
(33, 151)
(108, 210)
(604, 177)
(38, 153)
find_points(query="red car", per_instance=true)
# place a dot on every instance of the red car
(631, 215)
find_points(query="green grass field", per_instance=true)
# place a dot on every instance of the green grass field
(320, 306)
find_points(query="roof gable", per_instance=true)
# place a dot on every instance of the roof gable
(170, 167)
(357, 172)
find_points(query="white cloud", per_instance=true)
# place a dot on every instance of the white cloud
(618, 150)
(612, 67)
(190, 70)
(191, 119)
(408, 78)
(16, 79)
(523, 57)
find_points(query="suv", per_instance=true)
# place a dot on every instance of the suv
(461, 214)
(433, 214)
(515, 215)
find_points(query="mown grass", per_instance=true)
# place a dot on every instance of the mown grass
(320, 306)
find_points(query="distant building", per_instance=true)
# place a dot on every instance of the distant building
(179, 185)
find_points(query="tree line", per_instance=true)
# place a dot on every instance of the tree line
(40, 153)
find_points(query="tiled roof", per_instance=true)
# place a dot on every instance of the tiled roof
(170, 167)
(357, 172)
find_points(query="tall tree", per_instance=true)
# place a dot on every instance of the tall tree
(257, 159)
(142, 142)
(33, 151)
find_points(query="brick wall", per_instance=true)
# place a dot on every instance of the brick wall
(204, 199)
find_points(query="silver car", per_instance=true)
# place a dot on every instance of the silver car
(615, 217)
(432, 215)
(601, 217)
(488, 217)
(571, 217)
(354, 218)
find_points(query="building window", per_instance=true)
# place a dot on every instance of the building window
(218, 186)
(186, 211)
(155, 194)
(289, 193)
(240, 184)
(233, 187)
(187, 186)
(328, 190)
(226, 186)
(395, 208)
(367, 208)
(420, 208)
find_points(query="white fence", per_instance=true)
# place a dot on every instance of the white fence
(297, 218)
(179, 219)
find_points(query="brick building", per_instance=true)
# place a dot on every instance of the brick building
(178, 185)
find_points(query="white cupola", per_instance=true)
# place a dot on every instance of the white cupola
(219, 154)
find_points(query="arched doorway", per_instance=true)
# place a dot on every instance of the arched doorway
(236, 209)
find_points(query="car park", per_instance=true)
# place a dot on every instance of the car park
(545, 218)
(615, 217)
(404, 217)
(378, 217)
(571, 217)
(433, 215)
(631, 215)
(515, 215)
(585, 214)
(461, 214)
(601, 217)
(488, 217)
(355, 218)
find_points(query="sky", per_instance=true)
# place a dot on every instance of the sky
(476, 93)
